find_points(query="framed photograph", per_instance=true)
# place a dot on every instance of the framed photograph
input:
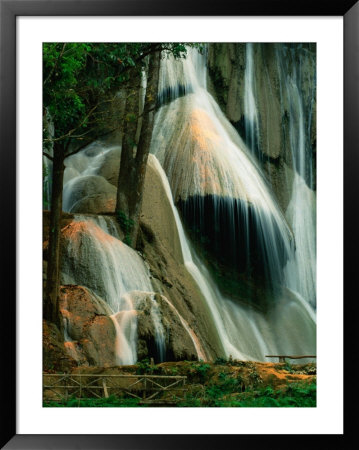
(174, 232)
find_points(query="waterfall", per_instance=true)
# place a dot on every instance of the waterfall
(292, 64)
(251, 124)
(217, 183)
(228, 221)
(95, 257)
(300, 271)
(245, 333)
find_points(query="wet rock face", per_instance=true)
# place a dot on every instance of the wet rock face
(55, 356)
(89, 332)
(157, 213)
(275, 112)
(229, 231)
(90, 179)
(90, 194)
(179, 345)
(110, 166)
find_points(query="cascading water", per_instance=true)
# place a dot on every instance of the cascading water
(224, 199)
(292, 64)
(251, 124)
(300, 272)
(217, 184)
(214, 180)
(245, 333)
(95, 257)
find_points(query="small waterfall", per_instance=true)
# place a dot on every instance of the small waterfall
(197, 345)
(125, 322)
(251, 124)
(159, 330)
(81, 177)
(96, 258)
(300, 271)
(292, 64)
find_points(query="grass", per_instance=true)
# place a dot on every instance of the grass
(109, 402)
(293, 395)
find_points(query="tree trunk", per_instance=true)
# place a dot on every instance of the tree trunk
(51, 302)
(133, 166)
(127, 174)
(143, 147)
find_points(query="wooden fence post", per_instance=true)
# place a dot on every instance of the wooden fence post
(66, 388)
(105, 387)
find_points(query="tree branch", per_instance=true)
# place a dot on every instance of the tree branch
(99, 136)
(48, 156)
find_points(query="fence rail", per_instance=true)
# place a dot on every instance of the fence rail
(283, 357)
(146, 388)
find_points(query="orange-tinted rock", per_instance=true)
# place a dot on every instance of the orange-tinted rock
(89, 332)
(55, 356)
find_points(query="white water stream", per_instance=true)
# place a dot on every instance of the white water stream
(300, 272)
(198, 152)
(201, 154)
(292, 64)
(95, 257)
(245, 333)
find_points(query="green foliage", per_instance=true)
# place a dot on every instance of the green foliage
(228, 394)
(126, 225)
(220, 361)
(109, 402)
(288, 366)
(144, 367)
(200, 370)
(174, 371)
(80, 78)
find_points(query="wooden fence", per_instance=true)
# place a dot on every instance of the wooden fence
(146, 388)
(282, 358)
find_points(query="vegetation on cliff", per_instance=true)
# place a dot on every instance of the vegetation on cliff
(220, 384)
(81, 100)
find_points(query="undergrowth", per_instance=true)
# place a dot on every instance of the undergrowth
(222, 395)
(226, 393)
(109, 402)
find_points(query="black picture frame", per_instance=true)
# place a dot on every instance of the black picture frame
(9, 10)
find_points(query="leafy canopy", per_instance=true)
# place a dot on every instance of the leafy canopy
(80, 78)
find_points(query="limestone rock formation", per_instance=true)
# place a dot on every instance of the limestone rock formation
(110, 166)
(55, 357)
(89, 332)
(274, 108)
(178, 342)
(90, 194)
(157, 213)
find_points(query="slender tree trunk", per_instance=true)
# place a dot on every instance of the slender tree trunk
(51, 302)
(143, 147)
(127, 165)
(133, 166)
